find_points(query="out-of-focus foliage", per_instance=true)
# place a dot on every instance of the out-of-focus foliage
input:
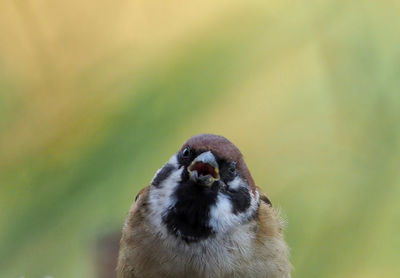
(96, 95)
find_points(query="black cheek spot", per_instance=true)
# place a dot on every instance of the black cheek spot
(240, 199)
(162, 175)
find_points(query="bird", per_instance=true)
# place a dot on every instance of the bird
(202, 216)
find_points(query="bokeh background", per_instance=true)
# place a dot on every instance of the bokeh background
(96, 95)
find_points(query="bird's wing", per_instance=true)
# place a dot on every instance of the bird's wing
(263, 197)
(269, 233)
(132, 227)
(144, 191)
(269, 221)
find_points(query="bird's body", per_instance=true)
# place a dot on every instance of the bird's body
(202, 216)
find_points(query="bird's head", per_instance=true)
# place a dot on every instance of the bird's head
(204, 190)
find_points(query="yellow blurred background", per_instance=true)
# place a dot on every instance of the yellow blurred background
(96, 95)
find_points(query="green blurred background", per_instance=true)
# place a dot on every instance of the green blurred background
(96, 95)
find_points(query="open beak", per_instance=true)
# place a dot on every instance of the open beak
(204, 169)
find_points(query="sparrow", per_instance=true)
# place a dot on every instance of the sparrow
(202, 216)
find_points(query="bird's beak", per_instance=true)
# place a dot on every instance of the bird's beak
(204, 169)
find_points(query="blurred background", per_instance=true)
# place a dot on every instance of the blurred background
(96, 95)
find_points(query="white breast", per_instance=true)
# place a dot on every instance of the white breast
(219, 256)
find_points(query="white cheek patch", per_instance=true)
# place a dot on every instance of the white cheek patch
(222, 218)
(173, 161)
(161, 198)
(235, 184)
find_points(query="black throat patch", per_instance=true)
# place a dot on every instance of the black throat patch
(189, 218)
(162, 175)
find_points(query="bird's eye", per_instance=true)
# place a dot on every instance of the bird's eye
(232, 167)
(186, 152)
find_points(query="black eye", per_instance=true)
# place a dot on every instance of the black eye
(186, 152)
(232, 167)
